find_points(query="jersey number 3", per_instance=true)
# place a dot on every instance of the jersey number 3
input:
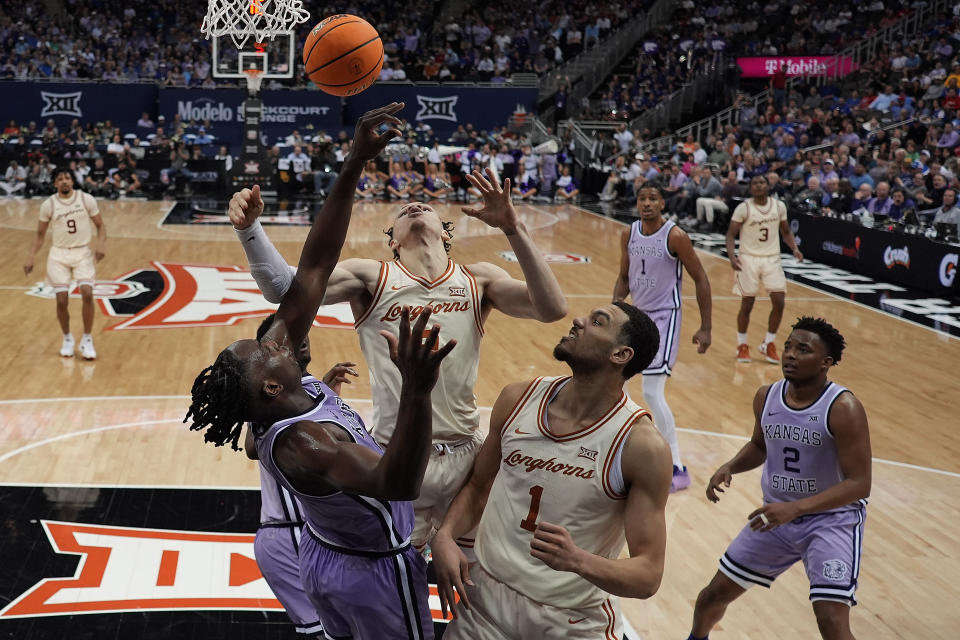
(530, 522)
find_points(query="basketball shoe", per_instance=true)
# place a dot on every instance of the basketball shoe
(86, 348)
(66, 349)
(769, 351)
(743, 353)
(680, 480)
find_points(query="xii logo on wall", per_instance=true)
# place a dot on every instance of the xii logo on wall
(184, 295)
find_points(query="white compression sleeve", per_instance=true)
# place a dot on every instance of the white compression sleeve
(653, 395)
(271, 272)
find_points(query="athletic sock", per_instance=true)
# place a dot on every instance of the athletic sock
(86, 336)
(771, 337)
(741, 338)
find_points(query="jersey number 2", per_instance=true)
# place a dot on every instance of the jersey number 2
(791, 455)
(530, 522)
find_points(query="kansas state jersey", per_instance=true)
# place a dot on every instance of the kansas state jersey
(655, 274)
(801, 454)
(353, 523)
(277, 505)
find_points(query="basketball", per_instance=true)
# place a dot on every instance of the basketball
(343, 55)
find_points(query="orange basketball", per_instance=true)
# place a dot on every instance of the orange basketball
(343, 55)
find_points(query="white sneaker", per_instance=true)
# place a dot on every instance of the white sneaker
(66, 349)
(87, 350)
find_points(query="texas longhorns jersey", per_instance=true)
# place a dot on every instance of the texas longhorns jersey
(567, 480)
(455, 300)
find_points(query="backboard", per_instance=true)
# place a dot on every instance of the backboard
(274, 58)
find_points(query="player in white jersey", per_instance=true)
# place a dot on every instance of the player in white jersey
(812, 438)
(759, 221)
(571, 470)
(70, 213)
(461, 297)
(654, 252)
(277, 544)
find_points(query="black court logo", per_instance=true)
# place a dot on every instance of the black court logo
(437, 108)
(61, 104)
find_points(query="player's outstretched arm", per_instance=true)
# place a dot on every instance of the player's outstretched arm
(621, 289)
(467, 507)
(679, 243)
(751, 455)
(312, 457)
(325, 240)
(540, 297)
(647, 470)
(848, 423)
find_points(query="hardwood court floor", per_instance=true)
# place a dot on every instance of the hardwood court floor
(117, 420)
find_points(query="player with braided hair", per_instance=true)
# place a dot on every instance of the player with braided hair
(356, 563)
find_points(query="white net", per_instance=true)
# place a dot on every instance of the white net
(257, 19)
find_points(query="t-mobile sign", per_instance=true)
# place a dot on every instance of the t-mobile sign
(762, 67)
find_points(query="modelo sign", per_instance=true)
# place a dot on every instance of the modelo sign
(765, 66)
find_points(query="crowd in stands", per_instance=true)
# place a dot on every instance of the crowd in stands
(160, 41)
(701, 34)
(881, 146)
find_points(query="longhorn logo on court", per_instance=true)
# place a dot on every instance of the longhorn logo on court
(61, 104)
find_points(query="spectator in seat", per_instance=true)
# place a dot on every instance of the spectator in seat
(708, 190)
(98, 182)
(950, 137)
(145, 122)
(124, 178)
(902, 208)
(324, 163)
(224, 154)
(881, 202)
(396, 185)
(116, 146)
(14, 179)
(948, 212)
(861, 199)
(299, 165)
(203, 138)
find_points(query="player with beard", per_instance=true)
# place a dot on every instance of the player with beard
(570, 471)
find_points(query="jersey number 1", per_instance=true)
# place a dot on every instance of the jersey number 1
(530, 522)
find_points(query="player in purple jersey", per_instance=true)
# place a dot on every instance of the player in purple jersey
(812, 437)
(333, 460)
(277, 545)
(654, 252)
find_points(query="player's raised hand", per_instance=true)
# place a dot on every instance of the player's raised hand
(453, 573)
(723, 477)
(497, 210)
(245, 207)
(337, 375)
(417, 353)
(367, 142)
(554, 546)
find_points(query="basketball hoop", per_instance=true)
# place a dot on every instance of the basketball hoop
(254, 78)
(261, 20)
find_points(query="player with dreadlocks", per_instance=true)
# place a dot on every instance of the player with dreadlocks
(812, 438)
(422, 275)
(356, 562)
